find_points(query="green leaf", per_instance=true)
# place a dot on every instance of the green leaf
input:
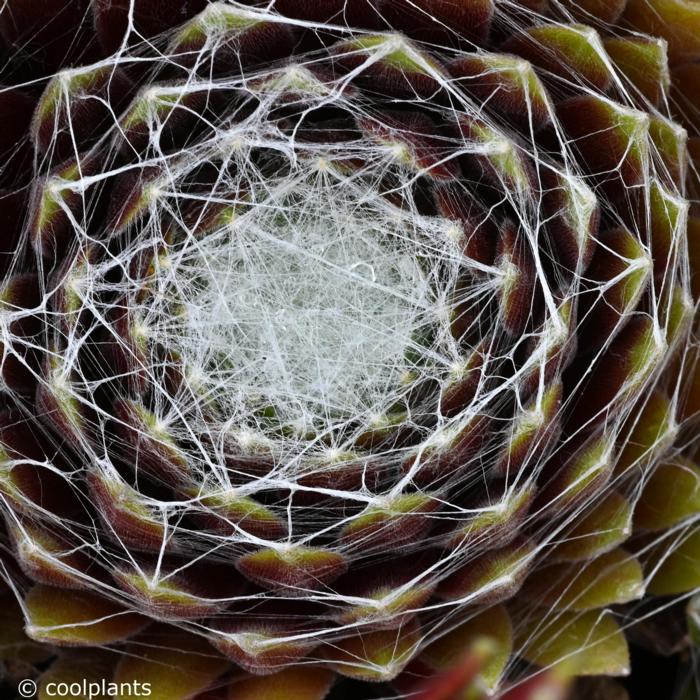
(612, 578)
(300, 683)
(679, 570)
(375, 656)
(586, 644)
(601, 528)
(494, 625)
(77, 618)
(177, 665)
(671, 495)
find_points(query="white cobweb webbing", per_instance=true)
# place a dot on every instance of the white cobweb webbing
(309, 312)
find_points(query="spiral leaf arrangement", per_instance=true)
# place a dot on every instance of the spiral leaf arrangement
(339, 337)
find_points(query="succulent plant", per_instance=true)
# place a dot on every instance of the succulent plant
(346, 338)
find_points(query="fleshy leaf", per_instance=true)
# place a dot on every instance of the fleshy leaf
(91, 667)
(295, 569)
(669, 217)
(506, 84)
(653, 427)
(607, 11)
(47, 558)
(14, 643)
(302, 683)
(573, 52)
(398, 522)
(612, 578)
(127, 515)
(176, 664)
(678, 565)
(611, 138)
(676, 21)
(199, 590)
(491, 577)
(401, 69)
(494, 625)
(619, 256)
(77, 618)
(228, 511)
(671, 495)
(411, 138)
(381, 597)
(441, 22)
(620, 370)
(673, 147)
(572, 475)
(602, 527)
(497, 524)
(588, 643)
(269, 637)
(375, 656)
(534, 428)
(644, 62)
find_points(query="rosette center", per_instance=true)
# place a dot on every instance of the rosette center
(309, 308)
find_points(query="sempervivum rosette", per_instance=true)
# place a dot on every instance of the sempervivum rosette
(340, 336)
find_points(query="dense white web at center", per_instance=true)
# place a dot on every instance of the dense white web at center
(311, 307)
